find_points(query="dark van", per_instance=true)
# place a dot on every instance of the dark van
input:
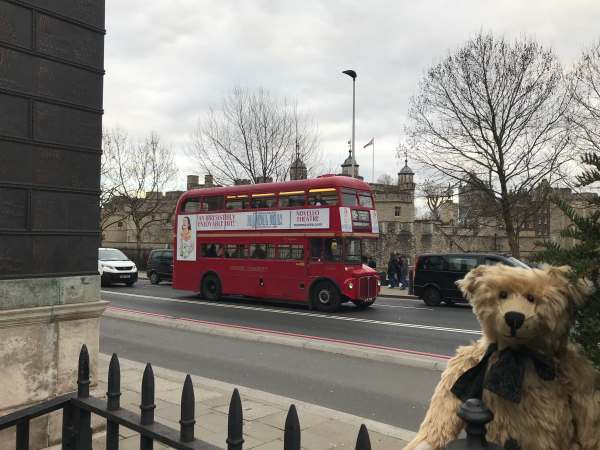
(160, 265)
(435, 274)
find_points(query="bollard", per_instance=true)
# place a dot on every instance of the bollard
(476, 415)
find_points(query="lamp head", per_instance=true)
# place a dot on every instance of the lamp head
(350, 73)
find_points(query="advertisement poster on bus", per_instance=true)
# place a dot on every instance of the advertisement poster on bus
(317, 218)
(374, 222)
(186, 239)
(346, 219)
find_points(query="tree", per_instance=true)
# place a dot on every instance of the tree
(253, 136)
(492, 114)
(436, 194)
(386, 178)
(136, 173)
(584, 256)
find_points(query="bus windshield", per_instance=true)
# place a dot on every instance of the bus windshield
(352, 251)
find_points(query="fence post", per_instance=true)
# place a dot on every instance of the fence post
(476, 415)
(83, 426)
(187, 422)
(363, 442)
(113, 402)
(68, 428)
(147, 405)
(235, 423)
(23, 435)
(291, 436)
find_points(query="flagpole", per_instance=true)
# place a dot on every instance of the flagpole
(373, 162)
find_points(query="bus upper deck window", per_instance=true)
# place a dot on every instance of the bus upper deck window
(364, 199)
(192, 205)
(214, 203)
(322, 197)
(237, 202)
(349, 198)
(264, 201)
(291, 199)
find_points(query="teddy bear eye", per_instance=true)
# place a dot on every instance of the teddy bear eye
(530, 298)
(503, 294)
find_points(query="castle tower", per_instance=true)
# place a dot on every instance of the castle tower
(350, 168)
(406, 183)
(298, 170)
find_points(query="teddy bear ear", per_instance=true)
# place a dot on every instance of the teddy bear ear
(472, 280)
(577, 290)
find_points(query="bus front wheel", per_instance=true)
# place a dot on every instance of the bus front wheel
(211, 287)
(326, 297)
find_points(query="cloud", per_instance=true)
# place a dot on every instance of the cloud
(168, 62)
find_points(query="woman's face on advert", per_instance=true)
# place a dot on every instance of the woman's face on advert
(185, 225)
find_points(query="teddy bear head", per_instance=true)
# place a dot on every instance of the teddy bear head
(519, 307)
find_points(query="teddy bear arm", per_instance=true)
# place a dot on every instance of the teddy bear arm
(442, 424)
(585, 400)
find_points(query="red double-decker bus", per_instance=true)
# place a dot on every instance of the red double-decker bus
(299, 241)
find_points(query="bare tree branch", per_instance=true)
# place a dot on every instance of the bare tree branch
(253, 136)
(492, 115)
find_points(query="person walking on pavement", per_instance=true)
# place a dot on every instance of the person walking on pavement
(393, 271)
(404, 271)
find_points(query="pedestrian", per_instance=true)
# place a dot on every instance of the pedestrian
(404, 271)
(371, 263)
(392, 270)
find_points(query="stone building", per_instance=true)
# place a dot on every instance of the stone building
(462, 226)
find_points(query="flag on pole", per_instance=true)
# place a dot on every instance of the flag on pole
(371, 142)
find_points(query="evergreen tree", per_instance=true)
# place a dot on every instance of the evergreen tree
(583, 256)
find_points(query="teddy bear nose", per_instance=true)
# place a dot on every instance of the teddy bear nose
(514, 320)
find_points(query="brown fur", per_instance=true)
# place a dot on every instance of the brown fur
(562, 414)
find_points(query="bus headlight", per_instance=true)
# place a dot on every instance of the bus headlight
(350, 285)
(378, 282)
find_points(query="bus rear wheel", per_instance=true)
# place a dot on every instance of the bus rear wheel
(211, 287)
(326, 297)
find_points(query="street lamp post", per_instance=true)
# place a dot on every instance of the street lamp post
(352, 74)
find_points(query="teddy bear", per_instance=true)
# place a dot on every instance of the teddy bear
(544, 394)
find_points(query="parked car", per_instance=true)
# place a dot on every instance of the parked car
(115, 267)
(160, 265)
(435, 274)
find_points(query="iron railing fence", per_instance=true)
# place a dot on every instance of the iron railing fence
(78, 407)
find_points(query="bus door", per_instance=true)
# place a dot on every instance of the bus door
(323, 252)
(289, 274)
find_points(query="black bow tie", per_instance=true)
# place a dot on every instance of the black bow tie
(505, 377)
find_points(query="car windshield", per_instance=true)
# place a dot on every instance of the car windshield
(111, 254)
(518, 263)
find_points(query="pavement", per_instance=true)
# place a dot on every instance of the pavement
(264, 414)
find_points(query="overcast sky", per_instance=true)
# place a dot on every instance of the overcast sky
(167, 62)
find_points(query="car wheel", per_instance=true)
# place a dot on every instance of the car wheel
(154, 278)
(326, 297)
(211, 287)
(432, 296)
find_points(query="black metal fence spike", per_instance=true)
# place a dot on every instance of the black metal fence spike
(83, 373)
(235, 437)
(147, 405)
(113, 393)
(188, 401)
(291, 437)
(363, 442)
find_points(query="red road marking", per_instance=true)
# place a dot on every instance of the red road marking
(285, 333)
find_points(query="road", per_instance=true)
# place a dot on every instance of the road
(389, 393)
(399, 323)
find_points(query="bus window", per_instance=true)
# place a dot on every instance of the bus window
(294, 251)
(192, 205)
(316, 249)
(291, 199)
(352, 251)
(235, 251)
(297, 251)
(264, 201)
(258, 251)
(349, 198)
(237, 202)
(212, 250)
(364, 199)
(214, 203)
(333, 250)
(322, 197)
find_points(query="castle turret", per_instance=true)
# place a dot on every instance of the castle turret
(350, 168)
(298, 170)
(406, 183)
